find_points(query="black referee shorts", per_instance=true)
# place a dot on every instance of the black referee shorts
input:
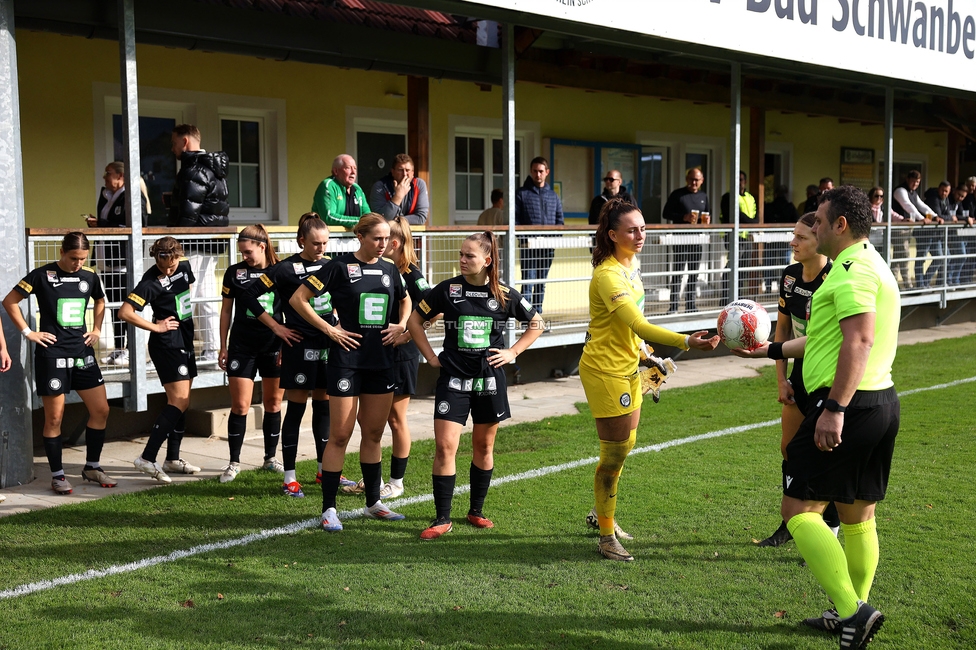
(858, 468)
(800, 396)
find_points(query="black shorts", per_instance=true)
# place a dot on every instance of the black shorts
(486, 398)
(61, 375)
(173, 364)
(351, 382)
(405, 375)
(241, 363)
(858, 468)
(800, 396)
(303, 364)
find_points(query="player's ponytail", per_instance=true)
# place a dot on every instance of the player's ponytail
(307, 223)
(489, 247)
(75, 241)
(166, 248)
(257, 234)
(610, 216)
(400, 231)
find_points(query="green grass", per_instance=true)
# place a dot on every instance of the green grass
(534, 581)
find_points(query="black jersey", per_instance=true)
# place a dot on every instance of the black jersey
(474, 322)
(283, 279)
(367, 298)
(168, 295)
(62, 300)
(796, 296)
(248, 332)
(417, 288)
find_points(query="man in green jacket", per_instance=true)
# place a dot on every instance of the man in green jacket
(338, 200)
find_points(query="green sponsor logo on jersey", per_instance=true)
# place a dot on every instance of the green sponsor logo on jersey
(372, 308)
(474, 331)
(184, 309)
(322, 305)
(71, 311)
(422, 284)
(266, 300)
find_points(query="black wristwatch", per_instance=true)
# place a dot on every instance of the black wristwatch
(834, 406)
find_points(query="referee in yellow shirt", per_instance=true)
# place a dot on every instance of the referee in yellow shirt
(608, 368)
(842, 450)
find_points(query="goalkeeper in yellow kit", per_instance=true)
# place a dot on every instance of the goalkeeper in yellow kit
(609, 366)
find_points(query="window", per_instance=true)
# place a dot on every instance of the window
(469, 173)
(241, 140)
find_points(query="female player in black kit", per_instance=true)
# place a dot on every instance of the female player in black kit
(373, 306)
(476, 308)
(796, 288)
(64, 359)
(253, 348)
(165, 287)
(306, 351)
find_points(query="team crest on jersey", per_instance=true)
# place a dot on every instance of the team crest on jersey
(422, 284)
(454, 291)
(344, 385)
(183, 370)
(300, 379)
(625, 400)
(242, 274)
(788, 282)
(454, 383)
(299, 268)
(354, 271)
(386, 280)
(492, 304)
(235, 364)
(52, 276)
(164, 280)
(83, 286)
(55, 383)
(443, 407)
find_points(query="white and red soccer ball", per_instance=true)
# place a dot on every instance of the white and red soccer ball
(743, 325)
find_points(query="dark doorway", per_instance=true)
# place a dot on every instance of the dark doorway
(375, 153)
(157, 162)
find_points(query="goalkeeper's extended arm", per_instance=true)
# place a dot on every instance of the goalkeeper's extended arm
(635, 320)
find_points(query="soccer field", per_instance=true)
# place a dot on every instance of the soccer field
(536, 579)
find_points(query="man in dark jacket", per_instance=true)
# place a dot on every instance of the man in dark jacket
(200, 201)
(687, 205)
(612, 188)
(536, 204)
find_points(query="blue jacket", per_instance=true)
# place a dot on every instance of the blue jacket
(537, 206)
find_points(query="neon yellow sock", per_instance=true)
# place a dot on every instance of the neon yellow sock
(826, 559)
(861, 549)
(612, 457)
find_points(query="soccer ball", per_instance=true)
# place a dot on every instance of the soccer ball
(743, 325)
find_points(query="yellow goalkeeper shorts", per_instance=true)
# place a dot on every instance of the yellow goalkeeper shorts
(610, 396)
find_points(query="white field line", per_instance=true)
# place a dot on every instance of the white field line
(43, 585)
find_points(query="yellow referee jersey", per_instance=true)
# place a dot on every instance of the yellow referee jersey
(611, 344)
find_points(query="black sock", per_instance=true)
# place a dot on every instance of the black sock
(176, 438)
(272, 431)
(321, 425)
(289, 433)
(52, 448)
(830, 516)
(330, 486)
(94, 441)
(398, 467)
(480, 480)
(443, 495)
(161, 430)
(236, 425)
(372, 476)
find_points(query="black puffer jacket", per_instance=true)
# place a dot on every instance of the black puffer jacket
(200, 194)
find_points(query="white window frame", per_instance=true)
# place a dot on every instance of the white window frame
(529, 133)
(259, 213)
(372, 120)
(205, 111)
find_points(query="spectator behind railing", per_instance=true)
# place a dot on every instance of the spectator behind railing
(959, 214)
(690, 205)
(908, 204)
(401, 194)
(495, 215)
(900, 237)
(113, 257)
(536, 204)
(338, 200)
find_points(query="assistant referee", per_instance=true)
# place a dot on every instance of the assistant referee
(842, 450)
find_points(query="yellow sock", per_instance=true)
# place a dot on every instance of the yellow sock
(861, 549)
(825, 558)
(612, 457)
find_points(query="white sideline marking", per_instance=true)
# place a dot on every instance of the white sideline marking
(43, 585)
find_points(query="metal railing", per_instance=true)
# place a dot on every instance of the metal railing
(686, 272)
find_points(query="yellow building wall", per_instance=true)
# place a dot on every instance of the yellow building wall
(57, 74)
